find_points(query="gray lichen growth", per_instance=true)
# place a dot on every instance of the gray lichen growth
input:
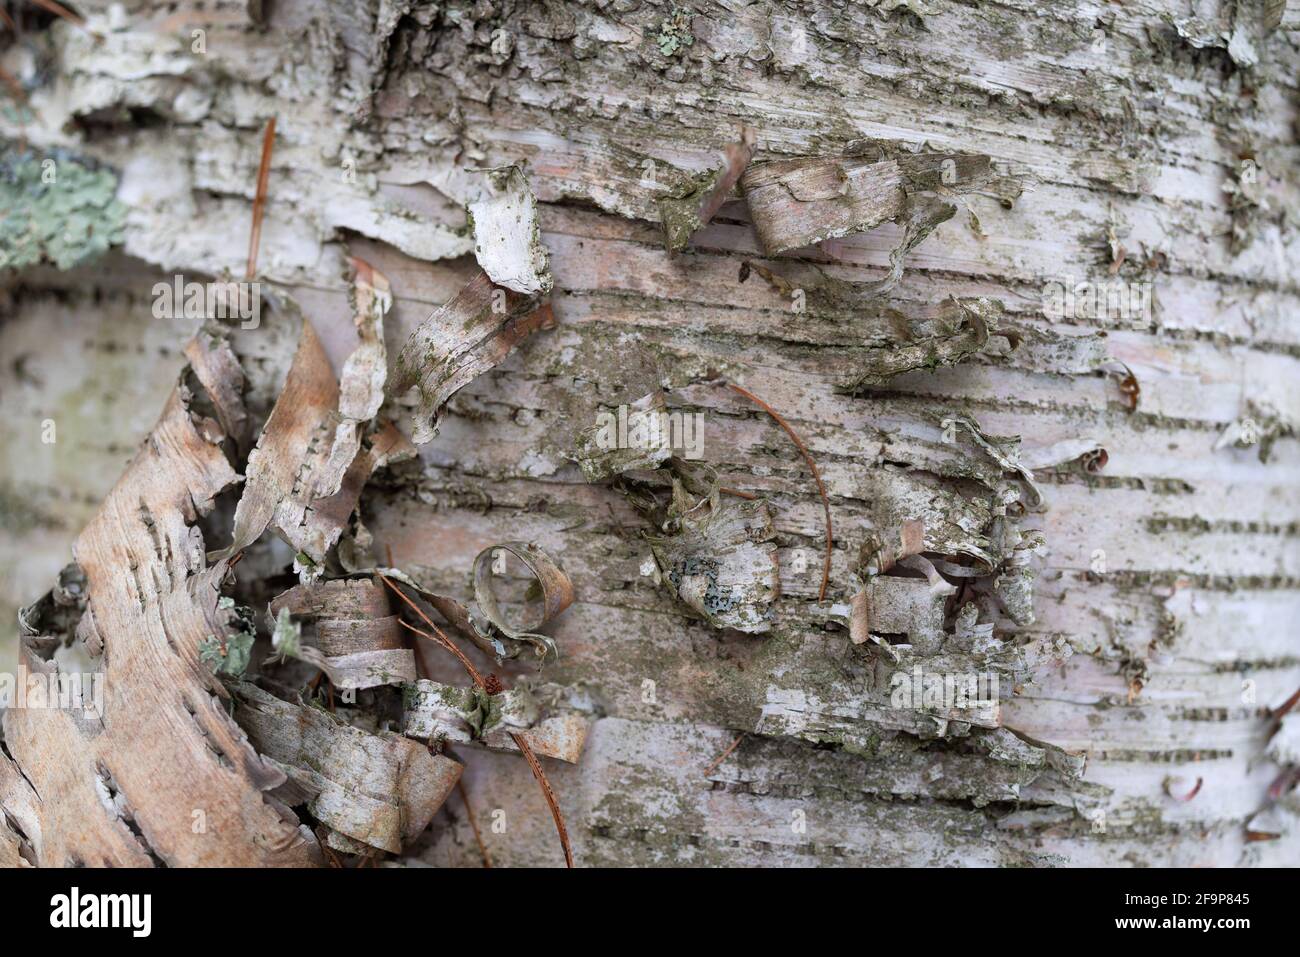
(55, 209)
(675, 32)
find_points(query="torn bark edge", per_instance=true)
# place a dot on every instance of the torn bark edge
(684, 215)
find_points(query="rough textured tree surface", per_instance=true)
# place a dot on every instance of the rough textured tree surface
(1020, 277)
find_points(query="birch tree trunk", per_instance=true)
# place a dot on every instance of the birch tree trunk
(1146, 150)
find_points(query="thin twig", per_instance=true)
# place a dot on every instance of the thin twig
(469, 813)
(1286, 706)
(259, 199)
(439, 639)
(1275, 717)
(524, 748)
(821, 488)
(748, 496)
(725, 754)
(59, 10)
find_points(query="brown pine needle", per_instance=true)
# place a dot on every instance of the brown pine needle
(725, 754)
(259, 199)
(748, 496)
(469, 813)
(524, 748)
(1275, 718)
(1286, 706)
(821, 488)
(439, 639)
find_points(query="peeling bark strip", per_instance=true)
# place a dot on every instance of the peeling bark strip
(507, 237)
(283, 473)
(800, 202)
(722, 564)
(151, 599)
(468, 336)
(306, 474)
(484, 624)
(601, 457)
(436, 712)
(217, 369)
(355, 650)
(961, 330)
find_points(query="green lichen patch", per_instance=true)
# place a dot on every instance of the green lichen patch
(54, 209)
(230, 656)
(675, 32)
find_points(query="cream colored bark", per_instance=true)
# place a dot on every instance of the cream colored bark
(1155, 150)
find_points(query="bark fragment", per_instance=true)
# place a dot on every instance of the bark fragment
(695, 203)
(358, 640)
(379, 789)
(437, 712)
(507, 237)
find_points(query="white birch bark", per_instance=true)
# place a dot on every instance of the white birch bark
(1157, 150)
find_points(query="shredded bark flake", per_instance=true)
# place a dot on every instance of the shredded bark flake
(875, 559)
(217, 369)
(1087, 451)
(960, 329)
(436, 712)
(380, 789)
(359, 641)
(722, 564)
(1128, 383)
(484, 624)
(556, 589)
(1004, 450)
(602, 457)
(306, 473)
(800, 202)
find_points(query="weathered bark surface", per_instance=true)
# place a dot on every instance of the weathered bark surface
(1164, 616)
